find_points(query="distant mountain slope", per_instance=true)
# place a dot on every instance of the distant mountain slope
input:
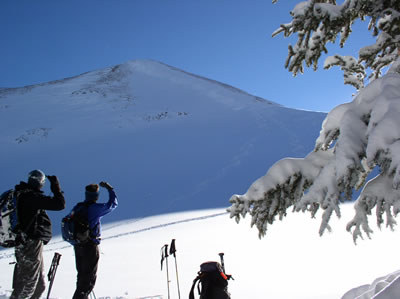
(166, 139)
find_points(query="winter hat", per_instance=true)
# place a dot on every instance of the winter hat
(92, 192)
(36, 178)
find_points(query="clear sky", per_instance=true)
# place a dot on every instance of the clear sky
(224, 40)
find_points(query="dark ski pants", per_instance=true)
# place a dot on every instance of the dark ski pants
(86, 259)
(28, 279)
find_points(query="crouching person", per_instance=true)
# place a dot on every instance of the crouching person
(28, 279)
(87, 253)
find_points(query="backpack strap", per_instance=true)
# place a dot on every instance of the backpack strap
(191, 294)
(84, 205)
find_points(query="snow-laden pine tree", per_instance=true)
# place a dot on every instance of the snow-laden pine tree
(356, 137)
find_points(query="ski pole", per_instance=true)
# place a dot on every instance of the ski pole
(221, 255)
(164, 255)
(92, 295)
(52, 271)
(172, 250)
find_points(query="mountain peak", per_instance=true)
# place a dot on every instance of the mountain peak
(157, 68)
(122, 77)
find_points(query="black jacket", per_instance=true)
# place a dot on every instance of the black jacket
(32, 204)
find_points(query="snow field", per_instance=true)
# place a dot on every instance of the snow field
(292, 261)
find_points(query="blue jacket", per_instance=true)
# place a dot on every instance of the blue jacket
(96, 211)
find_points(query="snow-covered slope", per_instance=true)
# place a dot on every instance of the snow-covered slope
(165, 139)
(292, 262)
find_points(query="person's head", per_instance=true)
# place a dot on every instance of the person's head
(92, 192)
(36, 178)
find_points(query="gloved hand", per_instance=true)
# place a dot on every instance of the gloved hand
(52, 179)
(54, 183)
(106, 185)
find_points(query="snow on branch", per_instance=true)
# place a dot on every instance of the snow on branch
(319, 22)
(356, 137)
(378, 193)
(271, 195)
(353, 72)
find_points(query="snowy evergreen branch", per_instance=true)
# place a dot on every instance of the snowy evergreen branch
(356, 137)
(353, 72)
(378, 193)
(270, 196)
(318, 22)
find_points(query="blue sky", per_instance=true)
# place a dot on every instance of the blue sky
(225, 40)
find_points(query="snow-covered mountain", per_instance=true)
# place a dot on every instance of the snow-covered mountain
(165, 139)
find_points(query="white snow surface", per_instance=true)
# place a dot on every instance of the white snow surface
(291, 262)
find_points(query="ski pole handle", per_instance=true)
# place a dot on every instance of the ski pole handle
(57, 258)
(172, 248)
(221, 255)
(52, 272)
(164, 254)
(54, 264)
(166, 251)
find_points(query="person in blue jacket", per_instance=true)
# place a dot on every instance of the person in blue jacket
(87, 254)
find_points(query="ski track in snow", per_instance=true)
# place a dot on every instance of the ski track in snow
(153, 227)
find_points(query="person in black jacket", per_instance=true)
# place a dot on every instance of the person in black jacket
(28, 279)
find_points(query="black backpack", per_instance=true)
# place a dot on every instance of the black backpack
(212, 282)
(75, 228)
(11, 233)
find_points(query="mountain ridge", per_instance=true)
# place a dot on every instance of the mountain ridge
(132, 63)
